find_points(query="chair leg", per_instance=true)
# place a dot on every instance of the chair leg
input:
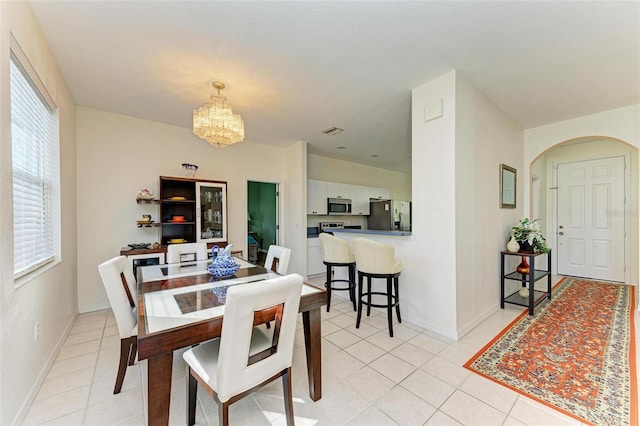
(288, 396)
(192, 390)
(134, 350)
(223, 414)
(360, 282)
(390, 306)
(352, 285)
(125, 349)
(327, 284)
(368, 295)
(395, 283)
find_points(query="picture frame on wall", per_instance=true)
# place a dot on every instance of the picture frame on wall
(508, 178)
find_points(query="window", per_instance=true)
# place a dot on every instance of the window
(35, 158)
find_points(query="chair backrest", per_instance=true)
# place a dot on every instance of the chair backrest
(375, 257)
(278, 259)
(235, 373)
(176, 251)
(335, 249)
(121, 288)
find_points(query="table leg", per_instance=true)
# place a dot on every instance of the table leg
(312, 343)
(159, 388)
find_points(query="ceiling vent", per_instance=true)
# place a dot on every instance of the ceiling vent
(332, 131)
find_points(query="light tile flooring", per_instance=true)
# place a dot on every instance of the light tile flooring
(369, 379)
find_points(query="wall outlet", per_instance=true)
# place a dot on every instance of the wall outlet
(36, 332)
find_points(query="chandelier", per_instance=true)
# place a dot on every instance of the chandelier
(215, 121)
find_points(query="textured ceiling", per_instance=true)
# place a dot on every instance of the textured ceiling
(293, 69)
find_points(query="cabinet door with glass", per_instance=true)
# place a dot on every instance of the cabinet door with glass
(211, 211)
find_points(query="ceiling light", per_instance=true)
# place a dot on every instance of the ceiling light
(332, 131)
(215, 121)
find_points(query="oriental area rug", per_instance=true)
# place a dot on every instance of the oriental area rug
(576, 354)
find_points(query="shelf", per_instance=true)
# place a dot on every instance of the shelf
(148, 225)
(147, 201)
(517, 276)
(516, 299)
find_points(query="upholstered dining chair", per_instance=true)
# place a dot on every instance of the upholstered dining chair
(245, 357)
(278, 259)
(120, 285)
(377, 260)
(176, 251)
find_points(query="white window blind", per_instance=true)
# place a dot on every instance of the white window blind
(34, 146)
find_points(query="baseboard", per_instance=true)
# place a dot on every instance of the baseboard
(476, 321)
(35, 388)
(434, 328)
(93, 308)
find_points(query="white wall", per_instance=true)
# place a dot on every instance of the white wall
(118, 155)
(50, 298)
(485, 138)
(622, 124)
(332, 170)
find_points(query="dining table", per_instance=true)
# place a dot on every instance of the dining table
(182, 304)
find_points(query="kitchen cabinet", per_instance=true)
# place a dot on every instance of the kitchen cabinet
(181, 211)
(360, 199)
(379, 193)
(317, 197)
(314, 257)
(211, 212)
(338, 190)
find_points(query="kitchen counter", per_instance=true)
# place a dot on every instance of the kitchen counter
(373, 232)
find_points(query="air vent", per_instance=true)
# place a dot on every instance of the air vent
(332, 131)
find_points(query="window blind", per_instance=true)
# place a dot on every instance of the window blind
(34, 145)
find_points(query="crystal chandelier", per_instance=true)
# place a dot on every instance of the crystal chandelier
(216, 122)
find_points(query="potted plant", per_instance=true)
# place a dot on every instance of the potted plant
(529, 235)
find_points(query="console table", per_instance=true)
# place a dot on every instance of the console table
(535, 296)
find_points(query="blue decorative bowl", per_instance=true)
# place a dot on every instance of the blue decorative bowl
(223, 271)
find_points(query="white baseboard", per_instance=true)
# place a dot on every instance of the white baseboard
(93, 308)
(476, 321)
(35, 388)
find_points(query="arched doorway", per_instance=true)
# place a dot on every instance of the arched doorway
(574, 214)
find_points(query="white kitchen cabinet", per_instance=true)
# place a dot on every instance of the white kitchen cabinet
(314, 257)
(338, 190)
(360, 199)
(379, 193)
(317, 197)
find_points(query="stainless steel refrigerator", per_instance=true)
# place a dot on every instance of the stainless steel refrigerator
(389, 215)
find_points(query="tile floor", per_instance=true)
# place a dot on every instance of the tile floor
(369, 379)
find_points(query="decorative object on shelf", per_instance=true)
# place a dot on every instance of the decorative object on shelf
(189, 170)
(136, 246)
(177, 241)
(524, 292)
(215, 121)
(145, 194)
(529, 235)
(177, 198)
(513, 245)
(223, 264)
(524, 269)
(177, 218)
(156, 245)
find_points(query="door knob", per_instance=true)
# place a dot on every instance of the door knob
(561, 233)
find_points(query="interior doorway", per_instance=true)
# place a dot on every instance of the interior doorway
(262, 219)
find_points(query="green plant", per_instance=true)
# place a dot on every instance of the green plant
(529, 231)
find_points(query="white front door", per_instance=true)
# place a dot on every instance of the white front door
(591, 205)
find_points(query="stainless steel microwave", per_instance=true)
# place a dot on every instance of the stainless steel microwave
(339, 206)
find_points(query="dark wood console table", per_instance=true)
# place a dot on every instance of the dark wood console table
(535, 296)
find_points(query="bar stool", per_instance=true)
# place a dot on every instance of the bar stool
(377, 260)
(336, 253)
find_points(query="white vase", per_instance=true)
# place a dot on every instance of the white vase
(524, 292)
(513, 245)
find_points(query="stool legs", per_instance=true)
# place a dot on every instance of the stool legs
(351, 281)
(392, 294)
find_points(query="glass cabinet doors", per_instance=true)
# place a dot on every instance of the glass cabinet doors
(211, 212)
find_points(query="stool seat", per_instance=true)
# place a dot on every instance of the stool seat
(377, 260)
(336, 253)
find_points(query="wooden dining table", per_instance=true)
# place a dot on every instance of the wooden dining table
(181, 305)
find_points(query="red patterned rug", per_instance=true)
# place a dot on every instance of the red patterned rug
(576, 354)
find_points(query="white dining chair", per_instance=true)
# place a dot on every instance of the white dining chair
(120, 285)
(245, 357)
(278, 259)
(175, 252)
